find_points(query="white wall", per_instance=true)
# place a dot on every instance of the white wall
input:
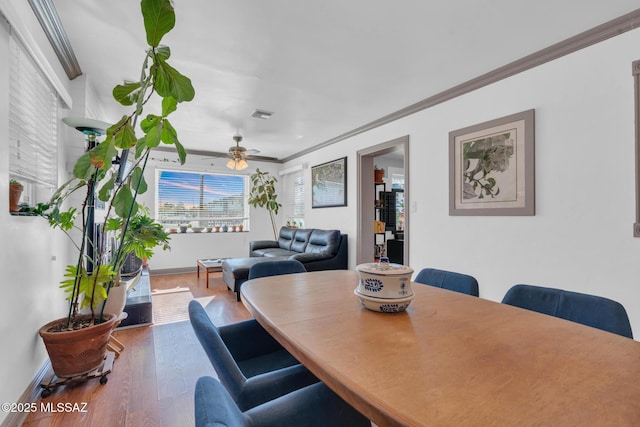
(29, 296)
(581, 236)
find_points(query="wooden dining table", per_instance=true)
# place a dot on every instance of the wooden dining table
(450, 359)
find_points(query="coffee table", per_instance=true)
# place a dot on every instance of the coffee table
(209, 265)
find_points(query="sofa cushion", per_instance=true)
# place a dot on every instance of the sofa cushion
(279, 253)
(323, 241)
(270, 252)
(286, 237)
(301, 239)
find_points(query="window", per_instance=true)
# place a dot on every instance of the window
(33, 127)
(293, 200)
(201, 199)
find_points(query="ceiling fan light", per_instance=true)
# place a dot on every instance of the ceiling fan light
(237, 164)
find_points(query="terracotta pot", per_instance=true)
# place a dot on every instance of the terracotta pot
(77, 352)
(378, 175)
(15, 191)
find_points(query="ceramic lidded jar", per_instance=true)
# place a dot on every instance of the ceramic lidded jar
(384, 280)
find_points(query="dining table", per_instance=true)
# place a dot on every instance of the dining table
(449, 359)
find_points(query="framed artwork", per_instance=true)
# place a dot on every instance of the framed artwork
(636, 84)
(491, 167)
(329, 184)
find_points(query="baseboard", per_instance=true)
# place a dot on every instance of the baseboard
(180, 270)
(30, 395)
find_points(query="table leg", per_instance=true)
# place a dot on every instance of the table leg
(198, 270)
(206, 270)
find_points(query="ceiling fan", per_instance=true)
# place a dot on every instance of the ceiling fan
(238, 155)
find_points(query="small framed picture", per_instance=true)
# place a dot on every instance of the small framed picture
(491, 167)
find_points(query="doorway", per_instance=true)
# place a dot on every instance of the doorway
(371, 208)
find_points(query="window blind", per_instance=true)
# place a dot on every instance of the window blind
(293, 200)
(33, 122)
(201, 199)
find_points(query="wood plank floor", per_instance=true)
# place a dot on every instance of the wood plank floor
(152, 381)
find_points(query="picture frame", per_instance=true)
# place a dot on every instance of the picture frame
(329, 184)
(492, 167)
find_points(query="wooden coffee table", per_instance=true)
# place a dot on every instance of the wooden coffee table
(209, 265)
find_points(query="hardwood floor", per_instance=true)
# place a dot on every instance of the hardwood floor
(152, 381)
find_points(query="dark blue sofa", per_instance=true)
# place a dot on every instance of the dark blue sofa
(316, 249)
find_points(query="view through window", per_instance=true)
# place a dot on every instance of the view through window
(201, 199)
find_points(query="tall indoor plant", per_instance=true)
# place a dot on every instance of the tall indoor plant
(263, 194)
(95, 272)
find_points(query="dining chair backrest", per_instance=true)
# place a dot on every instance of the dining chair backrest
(276, 268)
(598, 312)
(449, 280)
(311, 406)
(252, 365)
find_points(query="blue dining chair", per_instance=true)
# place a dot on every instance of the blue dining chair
(590, 310)
(250, 363)
(315, 405)
(276, 268)
(449, 280)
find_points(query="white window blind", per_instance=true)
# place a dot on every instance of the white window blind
(201, 199)
(293, 200)
(33, 126)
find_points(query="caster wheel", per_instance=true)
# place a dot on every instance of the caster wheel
(103, 380)
(45, 393)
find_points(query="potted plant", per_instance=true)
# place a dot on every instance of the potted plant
(263, 194)
(15, 191)
(89, 281)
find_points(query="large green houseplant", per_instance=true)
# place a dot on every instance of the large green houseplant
(263, 194)
(90, 279)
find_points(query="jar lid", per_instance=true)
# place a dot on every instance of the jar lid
(384, 268)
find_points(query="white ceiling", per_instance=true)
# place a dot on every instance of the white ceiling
(323, 67)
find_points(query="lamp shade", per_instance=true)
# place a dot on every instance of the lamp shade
(237, 164)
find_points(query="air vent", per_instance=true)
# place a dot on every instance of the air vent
(261, 114)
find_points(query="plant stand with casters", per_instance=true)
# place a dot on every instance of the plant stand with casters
(100, 372)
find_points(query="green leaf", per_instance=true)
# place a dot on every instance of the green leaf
(148, 122)
(140, 146)
(123, 202)
(154, 133)
(164, 52)
(113, 224)
(169, 134)
(105, 191)
(137, 181)
(126, 137)
(84, 169)
(169, 82)
(182, 153)
(159, 19)
(169, 105)
(126, 94)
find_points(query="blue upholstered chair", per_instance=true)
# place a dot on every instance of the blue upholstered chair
(311, 406)
(590, 310)
(276, 268)
(252, 365)
(449, 280)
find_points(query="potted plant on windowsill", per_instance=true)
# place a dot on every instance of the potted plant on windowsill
(15, 191)
(89, 281)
